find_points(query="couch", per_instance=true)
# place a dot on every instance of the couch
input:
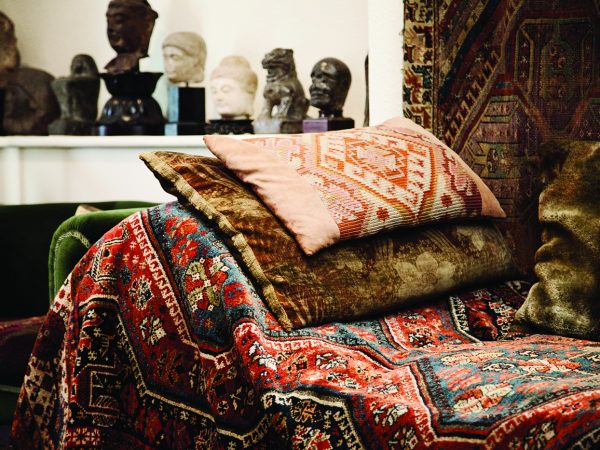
(40, 244)
(167, 334)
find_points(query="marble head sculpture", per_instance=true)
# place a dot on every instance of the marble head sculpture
(184, 57)
(233, 88)
(129, 25)
(330, 84)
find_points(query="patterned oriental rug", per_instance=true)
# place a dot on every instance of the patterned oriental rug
(157, 340)
(495, 79)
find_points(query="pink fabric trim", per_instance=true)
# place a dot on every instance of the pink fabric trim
(292, 199)
(490, 206)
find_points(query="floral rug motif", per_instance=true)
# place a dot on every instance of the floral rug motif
(158, 340)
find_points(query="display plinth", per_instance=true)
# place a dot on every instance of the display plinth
(326, 124)
(131, 110)
(186, 111)
(230, 126)
(1, 111)
(277, 126)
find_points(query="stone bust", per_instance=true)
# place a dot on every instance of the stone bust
(184, 56)
(129, 25)
(233, 88)
(77, 97)
(330, 84)
(9, 53)
(29, 102)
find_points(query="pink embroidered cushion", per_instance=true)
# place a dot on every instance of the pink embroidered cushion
(339, 185)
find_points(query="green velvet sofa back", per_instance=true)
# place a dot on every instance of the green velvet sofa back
(25, 236)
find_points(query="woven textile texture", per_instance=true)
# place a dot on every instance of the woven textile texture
(346, 281)
(494, 79)
(364, 180)
(158, 341)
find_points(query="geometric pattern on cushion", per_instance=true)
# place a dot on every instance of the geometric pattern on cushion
(368, 180)
(346, 281)
(495, 80)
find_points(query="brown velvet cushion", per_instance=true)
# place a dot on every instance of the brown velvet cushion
(566, 299)
(348, 280)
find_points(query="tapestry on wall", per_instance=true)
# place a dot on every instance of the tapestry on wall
(497, 78)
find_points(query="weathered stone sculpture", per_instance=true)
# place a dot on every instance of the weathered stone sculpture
(184, 56)
(129, 25)
(29, 103)
(9, 53)
(285, 104)
(77, 96)
(330, 84)
(233, 88)
(131, 109)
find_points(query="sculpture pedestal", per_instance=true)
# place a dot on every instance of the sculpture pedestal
(326, 124)
(1, 111)
(71, 127)
(185, 113)
(131, 110)
(277, 126)
(230, 126)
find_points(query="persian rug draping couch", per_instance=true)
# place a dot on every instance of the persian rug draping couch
(27, 233)
(158, 339)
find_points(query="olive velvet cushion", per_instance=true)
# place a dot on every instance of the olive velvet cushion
(566, 298)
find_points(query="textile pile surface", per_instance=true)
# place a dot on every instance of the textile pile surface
(158, 340)
(495, 80)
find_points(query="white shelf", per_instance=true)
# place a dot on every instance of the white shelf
(50, 169)
(163, 142)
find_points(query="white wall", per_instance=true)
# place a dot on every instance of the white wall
(51, 32)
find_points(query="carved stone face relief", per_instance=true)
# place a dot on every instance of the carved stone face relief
(233, 88)
(184, 56)
(129, 25)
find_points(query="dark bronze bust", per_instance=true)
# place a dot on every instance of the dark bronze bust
(129, 25)
(131, 109)
(330, 83)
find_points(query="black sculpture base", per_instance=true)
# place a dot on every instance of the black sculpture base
(131, 110)
(129, 130)
(326, 124)
(230, 126)
(186, 112)
(71, 127)
(184, 128)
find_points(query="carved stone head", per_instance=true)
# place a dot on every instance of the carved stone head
(129, 25)
(9, 54)
(184, 57)
(233, 87)
(330, 84)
